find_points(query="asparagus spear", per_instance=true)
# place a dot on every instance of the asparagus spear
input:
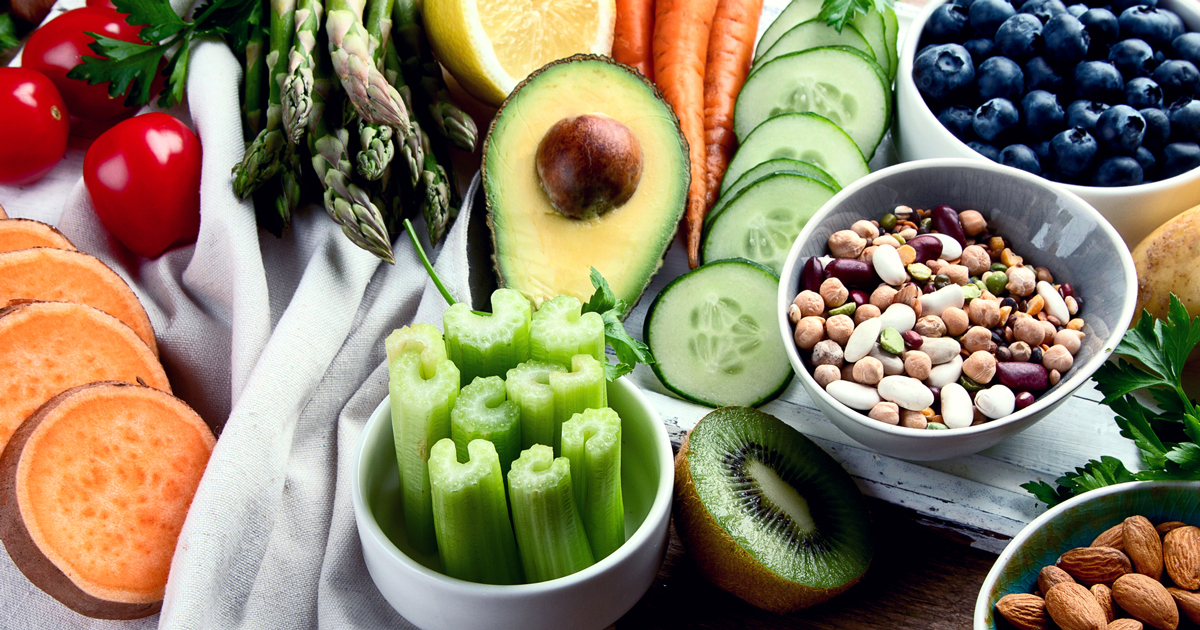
(377, 149)
(297, 90)
(256, 67)
(546, 519)
(263, 156)
(289, 198)
(425, 72)
(591, 441)
(435, 201)
(349, 49)
(410, 143)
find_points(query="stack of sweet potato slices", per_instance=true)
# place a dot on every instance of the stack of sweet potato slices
(100, 461)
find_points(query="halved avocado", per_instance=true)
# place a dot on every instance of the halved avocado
(543, 252)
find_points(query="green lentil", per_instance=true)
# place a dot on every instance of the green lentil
(891, 341)
(996, 282)
(999, 266)
(936, 426)
(898, 238)
(888, 221)
(919, 272)
(971, 291)
(969, 384)
(845, 309)
(927, 223)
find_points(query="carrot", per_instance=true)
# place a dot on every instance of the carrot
(681, 30)
(25, 233)
(63, 276)
(730, 51)
(633, 35)
(96, 485)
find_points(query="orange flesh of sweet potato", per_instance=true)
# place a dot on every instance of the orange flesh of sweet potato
(56, 275)
(49, 347)
(25, 233)
(103, 476)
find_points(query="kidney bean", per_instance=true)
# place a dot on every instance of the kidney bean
(927, 246)
(859, 298)
(812, 275)
(1024, 399)
(912, 339)
(1024, 377)
(853, 273)
(945, 221)
(1067, 290)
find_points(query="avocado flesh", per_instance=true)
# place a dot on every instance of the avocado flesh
(543, 253)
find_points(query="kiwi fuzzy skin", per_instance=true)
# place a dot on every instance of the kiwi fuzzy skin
(725, 563)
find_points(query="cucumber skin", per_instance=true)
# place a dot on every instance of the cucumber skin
(734, 161)
(720, 205)
(650, 317)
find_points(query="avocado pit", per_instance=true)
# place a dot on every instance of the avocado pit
(588, 165)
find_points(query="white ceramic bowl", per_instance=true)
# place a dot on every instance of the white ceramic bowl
(593, 598)
(1134, 210)
(1047, 225)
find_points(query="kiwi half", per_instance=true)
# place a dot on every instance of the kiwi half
(766, 514)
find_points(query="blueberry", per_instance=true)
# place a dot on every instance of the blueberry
(1133, 57)
(986, 150)
(1072, 151)
(1146, 158)
(1118, 171)
(980, 48)
(1177, 78)
(1077, 9)
(987, 15)
(1022, 157)
(1121, 5)
(1043, 115)
(1120, 129)
(940, 70)
(1143, 92)
(1019, 37)
(1065, 40)
(1042, 9)
(1102, 26)
(1180, 157)
(1185, 120)
(958, 119)
(1042, 149)
(947, 23)
(1039, 75)
(1177, 26)
(1187, 47)
(1147, 23)
(995, 119)
(1084, 113)
(1158, 128)
(1099, 81)
(1000, 77)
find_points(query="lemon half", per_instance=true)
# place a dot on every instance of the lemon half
(492, 45)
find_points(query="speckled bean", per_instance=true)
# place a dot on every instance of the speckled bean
(996, 401)
(862, 340)
(1023, 377)
(940, 349)
(937, 302)
(905, 391)
(943, 375)
(957, 411)
(1055, 305)
(900, 317)
(853, 395)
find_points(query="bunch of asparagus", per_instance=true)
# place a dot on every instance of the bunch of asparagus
(347, 114)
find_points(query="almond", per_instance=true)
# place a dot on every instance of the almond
(1103, 595)
(1072, 607)
(1181, 556)
(1125, 624)
(1023, 611)
(1111, 537)
(1163, 528)
(1189, 603)
(1143, 546)
(1051, 575)
(1093, 565)
(1146, 600)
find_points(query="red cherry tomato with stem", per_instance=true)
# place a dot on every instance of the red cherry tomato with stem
(60, 44)
(144, 179)
(33, 136)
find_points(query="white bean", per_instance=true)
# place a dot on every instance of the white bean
(1055, 305)
(943, 375)
(950, 247)
(892, 364)
(905, 391)
(862, 340)
(957, 411)
(899, 316)
(938, 301)
(940, 349)
(996, 401)
(886, 261)
(853, 395)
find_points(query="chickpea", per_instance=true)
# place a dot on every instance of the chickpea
(976, 339)
(972, 222)
(865, 229)
(1069, 339)
(956, 320)
(1057, 358)
(936, 266)
(984, 313)
(882, 297)
(930, 326)
(957, 273)
(848, 372)
(810, 303)
(839, 328)
(913, 419)
(808, 332)
(980, 367)
(868, 370)
(917, 364)
(1055, 377)
(1020, 351)
(885, 412)
(834, 292)
(826, 374)
(910, 296)
(868, 254)
(846, 244)
(1050, 330)
(976, 260)
(865, 312)
(827, 352)
(1029, 330)
(1021, 281)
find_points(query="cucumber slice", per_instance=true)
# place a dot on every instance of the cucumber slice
(806, 137)
(795, 13)
(763, 221)
(891, 30)
(839, 83)
(815, 34)
(715, 335)
(873, 29)
(770, 167)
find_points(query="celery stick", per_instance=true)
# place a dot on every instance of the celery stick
(582, 388)
(592, 442)
(482, 412)
(545, 517)
(489, 345)
(423, 385)
(559, 332)
(528, 385)
(474, 534)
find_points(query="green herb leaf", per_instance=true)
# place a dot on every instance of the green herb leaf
(629, 351)
(1132, 417)
(1096, 474)
(1047, 493)
(158, 19)
(8, 32)
(839, 13)
(1114, 380)
(127, 64)
(176, 73)
(603, 299)
(1186, 454)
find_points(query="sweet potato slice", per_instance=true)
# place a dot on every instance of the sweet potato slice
(94, 489)
(49, 347)
(56, 275)
(25, 233)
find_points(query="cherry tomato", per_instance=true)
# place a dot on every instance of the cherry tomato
(58, 46)
(33, 136)
(144, 179)
(102, 3)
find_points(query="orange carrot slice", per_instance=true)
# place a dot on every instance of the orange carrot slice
(95, 487)
(49, 347)
(56, 275)
(25, 233)
(730, 51)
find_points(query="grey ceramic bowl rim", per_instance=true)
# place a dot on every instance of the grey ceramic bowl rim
(906, 57)
(1078, 374)
(368, 526)
(989, 583)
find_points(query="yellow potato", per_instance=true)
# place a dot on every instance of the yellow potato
(1167, 262)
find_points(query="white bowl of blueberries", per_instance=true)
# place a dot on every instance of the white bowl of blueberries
(1102, 96)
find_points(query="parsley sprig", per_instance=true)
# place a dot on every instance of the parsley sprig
(1168, 438)
(839, 13)
(8, 33)
(166, 36)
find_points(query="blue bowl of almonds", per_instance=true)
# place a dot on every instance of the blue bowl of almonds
(934, 308)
